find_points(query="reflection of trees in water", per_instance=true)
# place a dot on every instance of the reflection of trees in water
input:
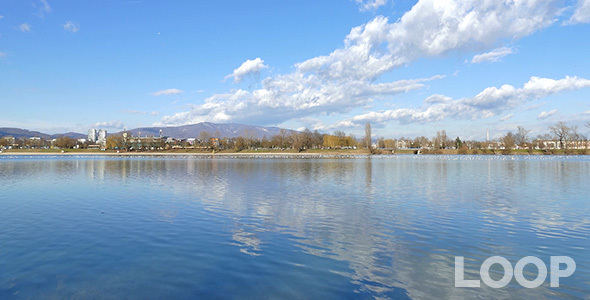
(398, 223)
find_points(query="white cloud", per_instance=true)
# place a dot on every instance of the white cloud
(430, 28)
(71, 26)
(488, 103)
(248, 67)
(24, 27)
(42, 8)
(437, 99)
(507, 117)
(109, 125)
(289, 96)
(348, 77)
(370, 4)
(1, 17)
(2, 54)
(492, 56)
(546, 114)
(167, 92)
(154, 113)
(587, 112)
(581, 14)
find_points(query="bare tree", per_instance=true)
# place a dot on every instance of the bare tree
(368, 135)
(65, 142)
(508, 141)
(574, 135)
(437, 141)
(561, 132)
(520, 138)
(381, 143)
(443, 136)
(318, 139)
(205, 137)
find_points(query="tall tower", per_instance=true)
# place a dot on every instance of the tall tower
(92, 135)
(487, 135)
(102, 137)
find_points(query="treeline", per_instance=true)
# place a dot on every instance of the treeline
(560, 136)
(63, 142)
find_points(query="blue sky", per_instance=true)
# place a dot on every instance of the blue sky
(409, 67)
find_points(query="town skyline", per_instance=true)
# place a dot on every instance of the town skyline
(407, 67)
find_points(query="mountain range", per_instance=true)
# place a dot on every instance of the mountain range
(23, 133)
(229, 130)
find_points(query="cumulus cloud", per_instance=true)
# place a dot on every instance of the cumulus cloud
(24, 27)
(492, 56)
(43, 8)
(581, 14)
(287, 97)
(370, 4)
(507, 117)
(248, 67)
(490, 102)
(109, 125)
(71, 26)
(546, 114)
(348, 77)
(167, 92)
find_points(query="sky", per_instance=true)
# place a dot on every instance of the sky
(410, 68)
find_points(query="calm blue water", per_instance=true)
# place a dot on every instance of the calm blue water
(360, 228)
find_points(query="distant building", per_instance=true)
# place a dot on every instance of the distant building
(98, 137)
(102, 137)
(92, 135)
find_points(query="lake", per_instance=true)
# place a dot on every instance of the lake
(386, 227)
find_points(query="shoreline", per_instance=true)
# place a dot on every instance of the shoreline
(327, 154)
(197, 154)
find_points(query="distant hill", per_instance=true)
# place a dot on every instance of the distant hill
(229, 130)
(73, 135)
(20, 133)
(181, 132)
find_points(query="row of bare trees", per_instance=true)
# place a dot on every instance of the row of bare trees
(63, 142)
(563, 134)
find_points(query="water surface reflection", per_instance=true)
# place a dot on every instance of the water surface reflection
(342, 228)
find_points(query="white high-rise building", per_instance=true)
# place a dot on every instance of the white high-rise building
(92, 135)
(102, 137)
